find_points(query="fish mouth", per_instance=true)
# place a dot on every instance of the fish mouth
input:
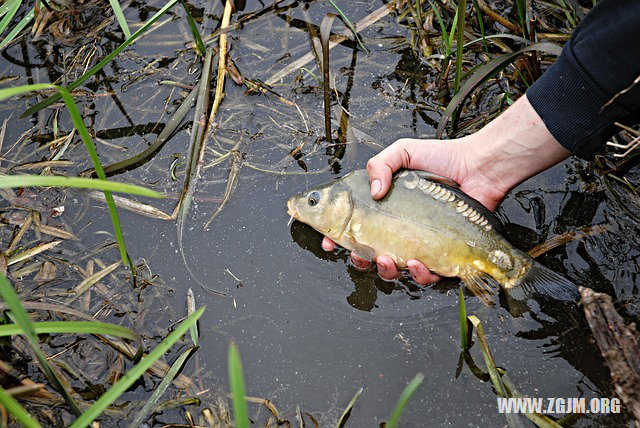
(292, 211)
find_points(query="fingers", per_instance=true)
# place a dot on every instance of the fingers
(387, 268)
(421, 274)
(328, 244)
(359, 263)
(382, 166)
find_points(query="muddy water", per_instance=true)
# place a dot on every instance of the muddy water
(310, 328)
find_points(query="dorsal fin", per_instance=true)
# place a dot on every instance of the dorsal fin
(437, 178)
(454, 188)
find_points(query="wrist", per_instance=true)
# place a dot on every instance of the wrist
(514, 147)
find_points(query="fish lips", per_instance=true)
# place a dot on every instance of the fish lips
(292, 211)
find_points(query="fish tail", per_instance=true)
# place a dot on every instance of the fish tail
(543, 281)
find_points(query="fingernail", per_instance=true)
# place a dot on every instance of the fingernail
(357, 263)
(376, 186)
(382, 269)
(413, 271)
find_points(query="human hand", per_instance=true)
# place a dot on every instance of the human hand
(487, 165)
(445, 158)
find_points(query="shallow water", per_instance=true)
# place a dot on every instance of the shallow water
(310, 328)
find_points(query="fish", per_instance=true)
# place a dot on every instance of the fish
(428, 218)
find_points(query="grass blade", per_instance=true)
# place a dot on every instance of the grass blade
(22, 319)
(117, 11)
(9, 10)
(151, 403)
(404, 399)
(200, 49)
(138, 370)
(93, 154)
(15, 30)
(512, 419)
(488, 358)
(462, 5)
(485, 72)
(80, 80)
(443, 28)
(521, 5)
(236, 381)
(349, 25)
(347, 411)
(480, 24)
(452, 33)
(16, 410)
(15, 181)
(74, 327)
(31, 252)
(191, 308)
(465, 332)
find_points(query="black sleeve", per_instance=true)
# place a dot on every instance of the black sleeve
(601, 59)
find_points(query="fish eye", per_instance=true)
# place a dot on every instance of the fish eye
(314, 198)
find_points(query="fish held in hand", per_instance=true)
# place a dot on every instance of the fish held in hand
(427, 218)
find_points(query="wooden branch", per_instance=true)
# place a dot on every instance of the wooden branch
(619, 346)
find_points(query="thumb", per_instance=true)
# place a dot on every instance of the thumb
(382, 166)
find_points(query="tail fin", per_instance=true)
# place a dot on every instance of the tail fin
(543, 281)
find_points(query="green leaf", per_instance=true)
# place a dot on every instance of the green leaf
(9, 10)
(443, 28)
(16, 410)
(22, 319)
(151, 403)
(80, 80)
(25, 180)
(460, 13)
(465, 333)
(488, 358)
(236, 381)
(404, 399)
(200, 49)
(138, 370)
(349, 25)
(93, 154)
(347, 411)
(485, 72)
(117, 11)
(15, 30)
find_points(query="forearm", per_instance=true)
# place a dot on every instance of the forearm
(514, 147)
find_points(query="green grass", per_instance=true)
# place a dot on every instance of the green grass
(16, 410)
(138, 370)
(236, 383)
(465, 333)
(347, 411)
(91, 149)
(25, 180)
(403, 400)
(20, 317)
(93, 70)
(460, 14)
(200, 49)
(117, 11)
(151, 403)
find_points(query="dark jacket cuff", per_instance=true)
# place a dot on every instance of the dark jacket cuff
(572, 106)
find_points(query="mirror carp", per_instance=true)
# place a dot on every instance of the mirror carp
(428, 218)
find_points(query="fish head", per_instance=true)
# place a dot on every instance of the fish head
(326, 208)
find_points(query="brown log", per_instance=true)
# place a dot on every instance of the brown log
(619, 346)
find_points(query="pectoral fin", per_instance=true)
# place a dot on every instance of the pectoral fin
(364, 251)
(479, 285)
